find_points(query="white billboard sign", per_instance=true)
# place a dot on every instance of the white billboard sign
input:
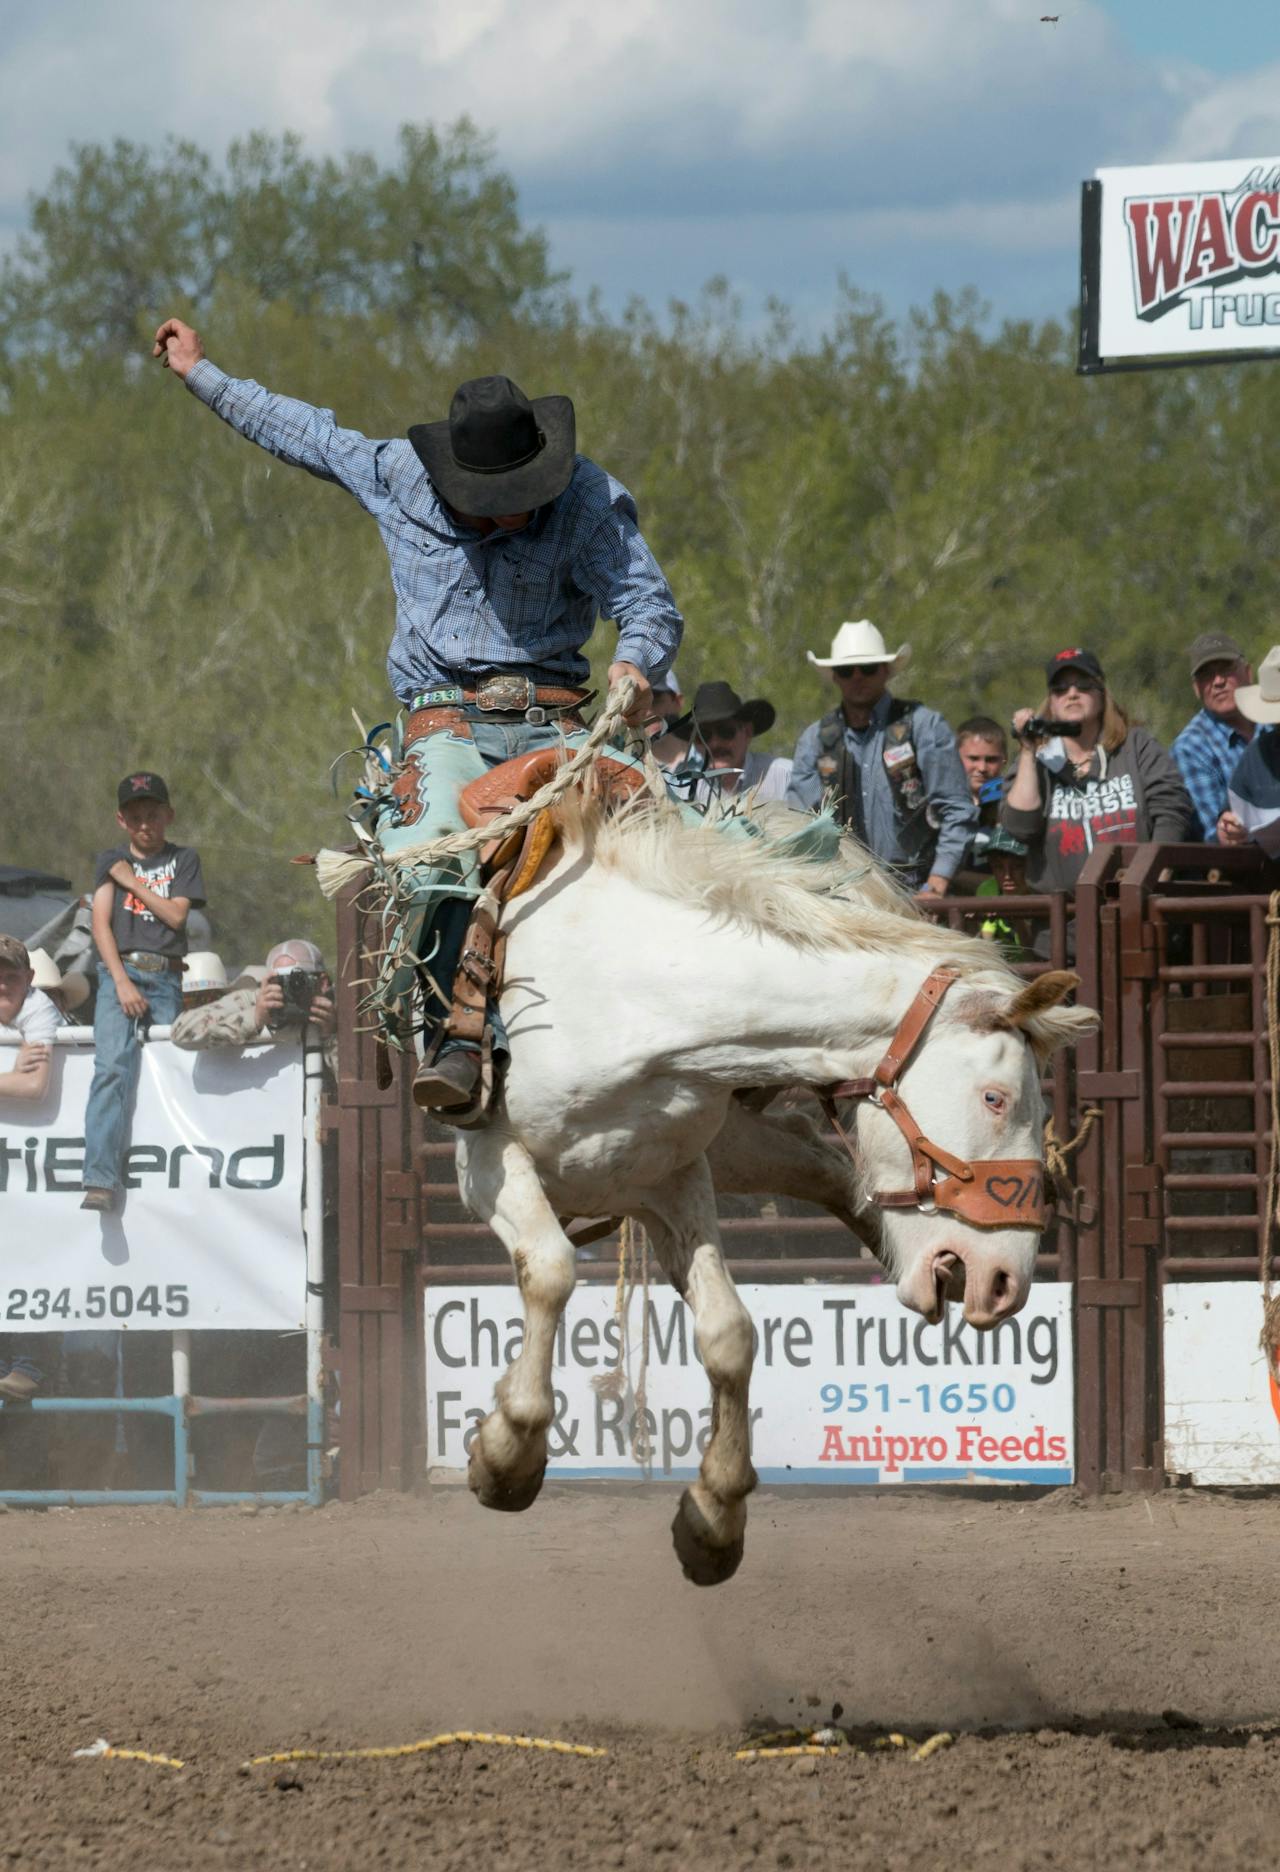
(209, 1233)
(1221, 1410)
(848, 1387)
(1187, 260)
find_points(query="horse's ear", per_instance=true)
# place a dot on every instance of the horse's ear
(1045, 992)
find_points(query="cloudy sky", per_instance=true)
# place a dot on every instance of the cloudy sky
(909, 144)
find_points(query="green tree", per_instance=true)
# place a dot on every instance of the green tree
(124, 234)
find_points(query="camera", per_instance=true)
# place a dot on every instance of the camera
(299, 987)
(1034, 729)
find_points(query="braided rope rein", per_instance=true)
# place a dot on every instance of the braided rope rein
(336, 869)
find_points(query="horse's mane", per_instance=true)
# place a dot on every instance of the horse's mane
(835, 897)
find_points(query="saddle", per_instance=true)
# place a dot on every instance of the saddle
(509, 866)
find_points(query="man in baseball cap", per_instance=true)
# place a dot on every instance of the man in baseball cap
(1212, 742)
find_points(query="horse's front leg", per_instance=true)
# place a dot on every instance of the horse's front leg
(500, 1185)
(711, 1520)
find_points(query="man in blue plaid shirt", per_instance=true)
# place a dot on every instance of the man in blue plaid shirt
(1212, 742)
(505, 548)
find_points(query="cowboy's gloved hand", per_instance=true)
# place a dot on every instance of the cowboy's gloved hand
(640, 709)
(177, 346)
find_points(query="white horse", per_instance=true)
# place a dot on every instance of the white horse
(655, 971)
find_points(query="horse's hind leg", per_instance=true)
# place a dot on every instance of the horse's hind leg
(711, 1520)
(499, 1183)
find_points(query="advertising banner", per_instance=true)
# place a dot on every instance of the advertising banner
(209, 1233)
(1183, 259)
(848, 1387)
(1221, 1410)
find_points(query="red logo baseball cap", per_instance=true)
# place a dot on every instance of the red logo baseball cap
(142, 786)
(1083, 660)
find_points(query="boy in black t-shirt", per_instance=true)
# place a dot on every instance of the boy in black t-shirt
(142, 892)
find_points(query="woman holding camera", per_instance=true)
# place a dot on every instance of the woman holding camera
(1085, 777)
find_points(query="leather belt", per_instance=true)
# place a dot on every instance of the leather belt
(152, 964)
(507, 695)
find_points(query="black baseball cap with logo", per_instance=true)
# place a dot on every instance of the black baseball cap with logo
(1082, 660)
(136, 786)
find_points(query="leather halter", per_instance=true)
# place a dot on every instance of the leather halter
(993, 1192)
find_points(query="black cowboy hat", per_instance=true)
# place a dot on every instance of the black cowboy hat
(498, 453)
(715, 702)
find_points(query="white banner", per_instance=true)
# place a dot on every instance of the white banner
(1190, 259)
(209, 1233)
(1220, 1406)
(848, 1387)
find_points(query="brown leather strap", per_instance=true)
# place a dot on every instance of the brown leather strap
(477, 976)
(913, 1024)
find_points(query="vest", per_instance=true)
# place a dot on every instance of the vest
(838, 771)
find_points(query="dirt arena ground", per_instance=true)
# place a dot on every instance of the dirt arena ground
(1110, 1672)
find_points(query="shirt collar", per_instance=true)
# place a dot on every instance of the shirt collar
(879, 716)
(1214, 725)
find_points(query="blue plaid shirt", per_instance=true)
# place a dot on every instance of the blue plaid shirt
(1206, 752)
(468, 604)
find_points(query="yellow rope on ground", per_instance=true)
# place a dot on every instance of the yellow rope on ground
(102, 1750)
(940, 1741)
(777, 1754)
(424, 1748)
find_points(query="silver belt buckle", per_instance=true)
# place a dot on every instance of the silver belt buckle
(511, 694)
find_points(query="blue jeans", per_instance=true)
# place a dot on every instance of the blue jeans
(117, 1063)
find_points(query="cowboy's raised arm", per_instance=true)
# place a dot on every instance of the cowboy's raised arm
(293, 432)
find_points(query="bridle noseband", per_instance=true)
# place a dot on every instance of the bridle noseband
(994, 1192)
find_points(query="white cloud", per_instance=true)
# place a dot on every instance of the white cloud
(956, 121)
(1238, 116)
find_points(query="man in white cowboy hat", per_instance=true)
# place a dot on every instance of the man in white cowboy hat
(890, 765)
(506, 546)
(1253, 794)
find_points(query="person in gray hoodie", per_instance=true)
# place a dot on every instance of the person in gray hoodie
(1086, 777)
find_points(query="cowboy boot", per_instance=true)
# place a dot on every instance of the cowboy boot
(449, 1081)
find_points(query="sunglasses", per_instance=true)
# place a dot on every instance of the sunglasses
(858, 669)
(718, 731)
(1084, 684)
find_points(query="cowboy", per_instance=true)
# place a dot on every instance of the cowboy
(505, 547)
(889, 764)
(1212, 742)
(719, 759)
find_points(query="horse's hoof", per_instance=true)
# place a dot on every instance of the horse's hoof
(702, 1563)
(510, 1495)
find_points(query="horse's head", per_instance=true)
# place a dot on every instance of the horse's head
(968, 1129)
